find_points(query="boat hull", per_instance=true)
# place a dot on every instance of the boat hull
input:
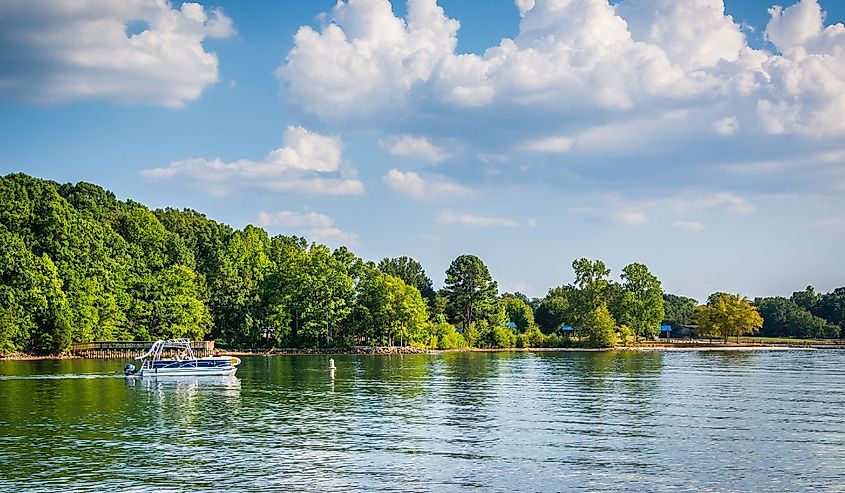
(187, 372)
(217, 367)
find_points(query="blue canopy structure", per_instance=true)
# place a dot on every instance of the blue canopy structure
(665, 328)
(567, 328)
(511, 325)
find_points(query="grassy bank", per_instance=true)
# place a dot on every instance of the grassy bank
(750, 341)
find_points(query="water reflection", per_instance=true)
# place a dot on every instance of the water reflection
(186, 384)
(552, 421)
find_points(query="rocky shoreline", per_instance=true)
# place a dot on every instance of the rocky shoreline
(18, 356)
(386, 350)
(339, 350)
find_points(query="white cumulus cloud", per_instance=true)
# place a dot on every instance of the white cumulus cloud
(719, 200)
(630, 218)
(308, 163)
(617, 63)
(552, 145)
(691, 227)
(727, 126)
(806, 90)
(415, 148)
(128, 52)
(412, 185)
(294, 219)
(312, 225)
(366, 60)
(450, 217)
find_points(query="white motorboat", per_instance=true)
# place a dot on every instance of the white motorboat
(180, 361)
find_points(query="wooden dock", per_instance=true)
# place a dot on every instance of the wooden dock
(130, 349)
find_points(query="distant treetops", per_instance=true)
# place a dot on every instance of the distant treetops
(78, 265)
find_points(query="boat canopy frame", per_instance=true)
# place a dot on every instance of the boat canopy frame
(154, 354)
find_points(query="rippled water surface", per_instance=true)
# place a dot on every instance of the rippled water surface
(555, 421)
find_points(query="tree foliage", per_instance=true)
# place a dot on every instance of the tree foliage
(556, 309)
(591, 284)
(470, 291)
(831, 307)
(678, 310)
(600, 327)
(79, 265)
(642, 301)
(783, 317)
(727, 315)
(391, 310)
(412, 273)
(517, 311)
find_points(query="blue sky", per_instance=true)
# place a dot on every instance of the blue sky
(700, 138)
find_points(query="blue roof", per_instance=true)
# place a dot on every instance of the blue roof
(665, 328)
(566, 327)
(511, 325)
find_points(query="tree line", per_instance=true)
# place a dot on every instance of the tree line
(79, 265)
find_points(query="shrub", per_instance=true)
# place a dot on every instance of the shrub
(535, 338)
(503, 337)
(452, 340)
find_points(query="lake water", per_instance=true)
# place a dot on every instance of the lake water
(552, 421)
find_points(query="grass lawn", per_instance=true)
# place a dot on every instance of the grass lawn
(751, 340)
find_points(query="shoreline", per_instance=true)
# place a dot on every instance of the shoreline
(402, 350)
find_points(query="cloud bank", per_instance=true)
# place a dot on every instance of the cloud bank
(414, 148)
(450, 217)
(129, 52)
(316, 227)
(575, 57)
(308, 163)
(411, 185)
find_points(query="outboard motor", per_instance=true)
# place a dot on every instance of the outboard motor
(129, 370)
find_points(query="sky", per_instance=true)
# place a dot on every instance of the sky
(702, 138)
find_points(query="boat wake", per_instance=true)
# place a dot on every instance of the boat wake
(68, 376)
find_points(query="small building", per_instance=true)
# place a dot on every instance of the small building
(679, 332)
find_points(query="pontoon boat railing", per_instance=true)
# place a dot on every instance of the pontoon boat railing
(154, 354)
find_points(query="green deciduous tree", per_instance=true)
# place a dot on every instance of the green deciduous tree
(591, 280)
(391, 310)
(831, 307)
(727, 315)
(503, 337)
(33, 308)
(234, 287)
(782, 317)
(678, 310)
(314, 292)
(557, 308)
(591, 285)
(204, 238)
(517, 311)
(412, 273)
(806, 299)
(170, 304)
(446, 337)
(642, 301)
(600, 327)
